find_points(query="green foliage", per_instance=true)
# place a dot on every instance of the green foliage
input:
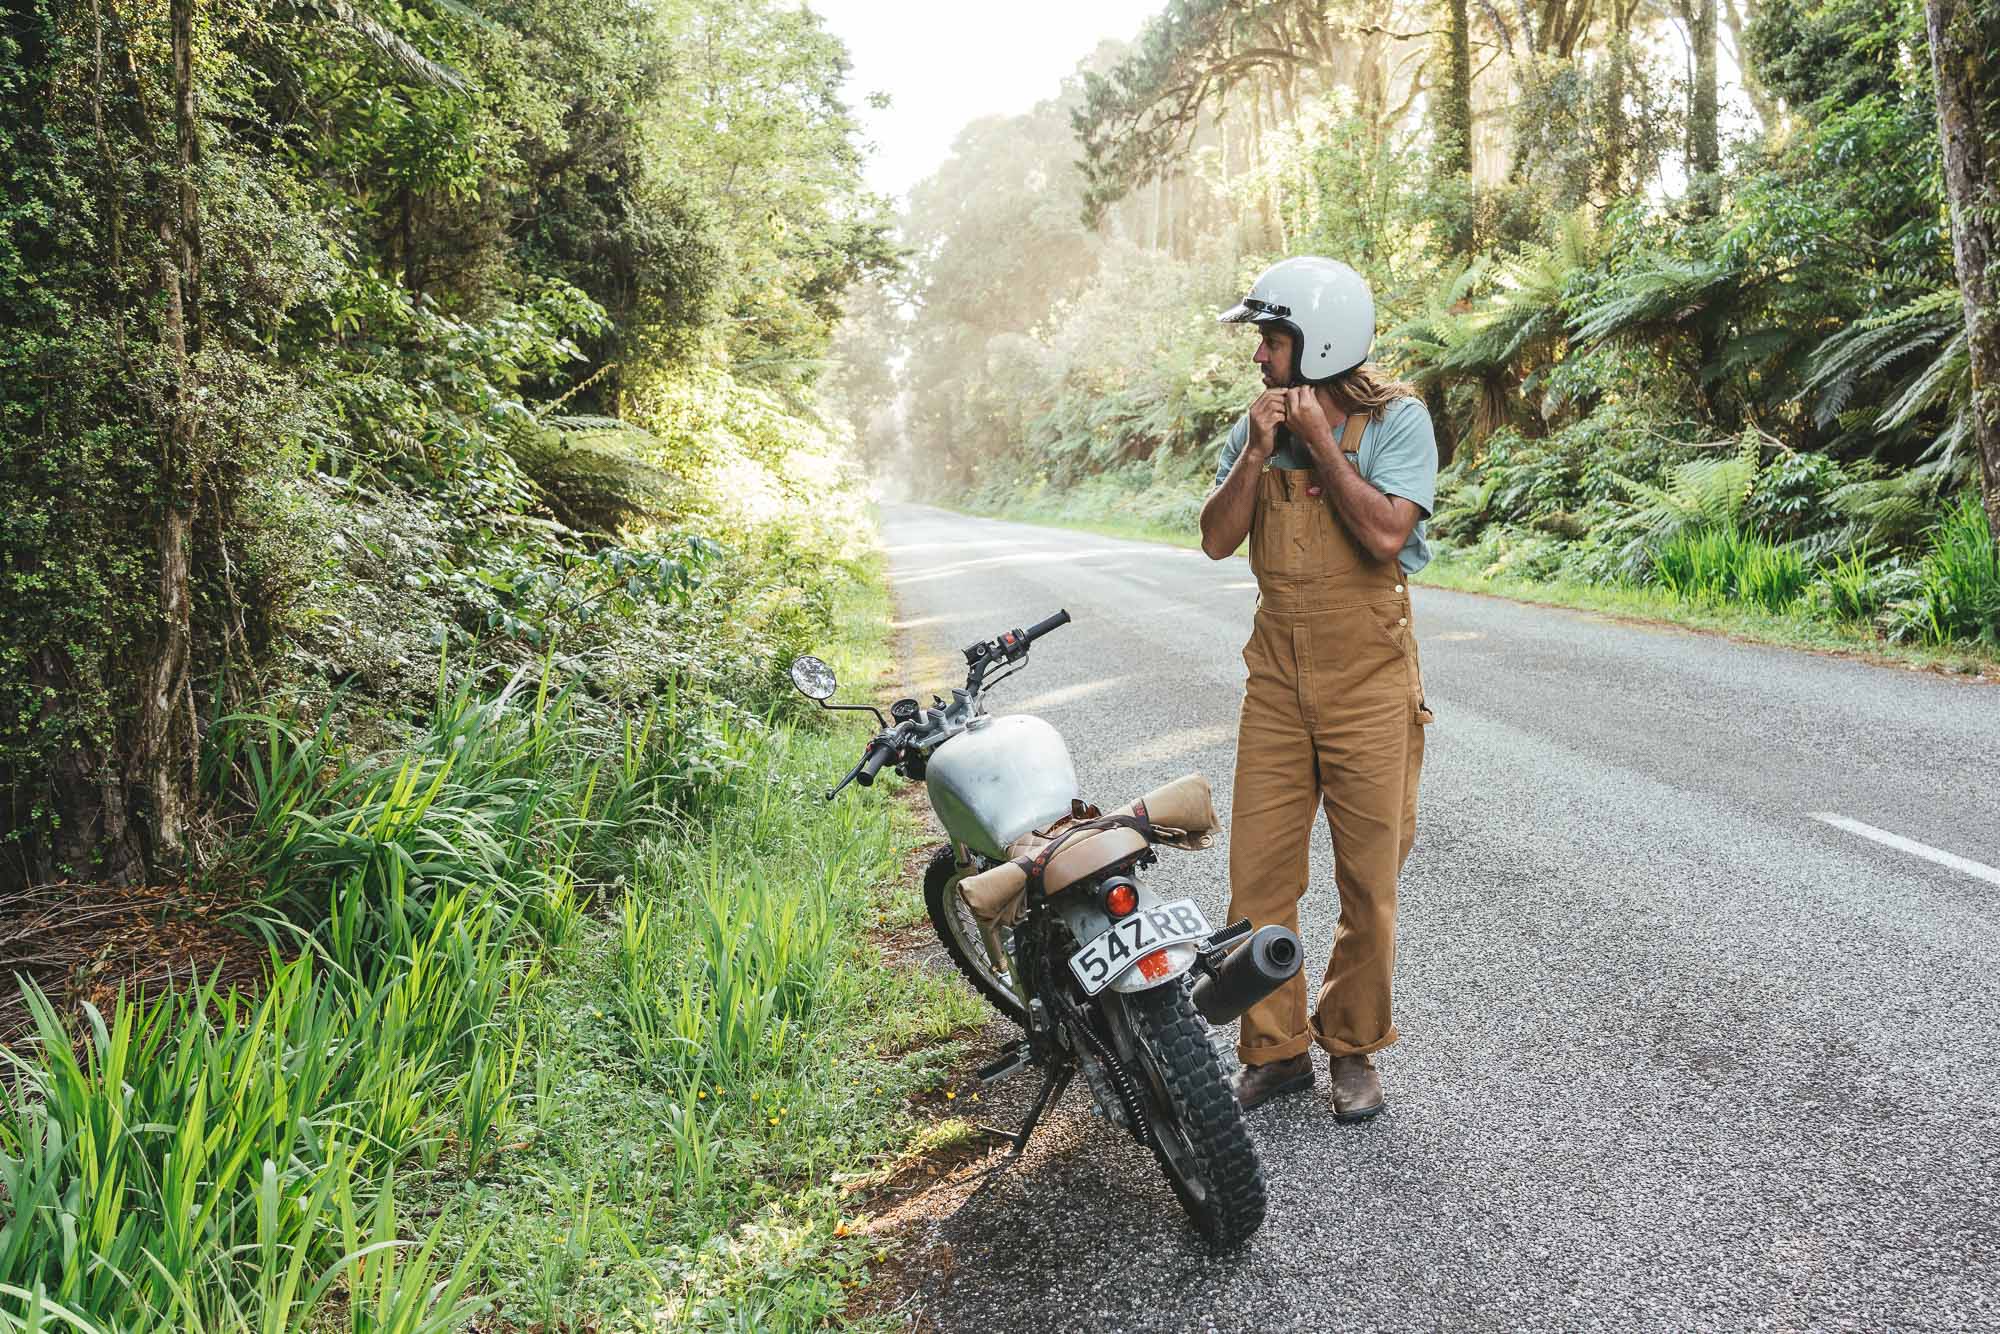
(710, 1054)
(420, 238)
(203, 1162)
(1957, 594)
(1702, 493)
(1728, 564)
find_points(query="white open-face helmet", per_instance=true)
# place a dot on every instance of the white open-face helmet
(1325, 306)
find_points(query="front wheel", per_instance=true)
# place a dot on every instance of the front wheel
(1198, 1132)
(960, 931)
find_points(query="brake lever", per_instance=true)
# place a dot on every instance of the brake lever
(852, 774)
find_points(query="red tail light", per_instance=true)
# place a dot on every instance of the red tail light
(1121, 899)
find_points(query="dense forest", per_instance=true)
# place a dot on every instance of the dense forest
(1697, 292)
(414, 488)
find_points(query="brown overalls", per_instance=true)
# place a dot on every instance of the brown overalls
(1333, 714)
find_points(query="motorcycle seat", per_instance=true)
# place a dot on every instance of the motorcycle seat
(1093, 854)
(1182, 814)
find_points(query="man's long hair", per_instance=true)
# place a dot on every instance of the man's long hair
(1367, 388)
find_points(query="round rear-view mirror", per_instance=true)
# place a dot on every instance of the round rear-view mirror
(813, 678)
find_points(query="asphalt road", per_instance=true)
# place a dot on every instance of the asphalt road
(1677, 1052)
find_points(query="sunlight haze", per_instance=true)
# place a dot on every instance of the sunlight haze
(945, 66)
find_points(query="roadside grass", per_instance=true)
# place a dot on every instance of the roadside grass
(1102, 520)
(713, 1060)
(1793, 629)
(575, 1020)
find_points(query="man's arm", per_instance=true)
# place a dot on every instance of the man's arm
(1381, 523)
(1225, 518)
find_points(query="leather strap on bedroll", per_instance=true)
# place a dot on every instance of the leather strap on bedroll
(1180, 814)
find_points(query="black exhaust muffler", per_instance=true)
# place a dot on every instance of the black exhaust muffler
(1253, 970)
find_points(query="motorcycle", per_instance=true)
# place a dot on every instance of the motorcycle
(1038, 900)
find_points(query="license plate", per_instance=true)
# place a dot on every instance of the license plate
(1101, 962)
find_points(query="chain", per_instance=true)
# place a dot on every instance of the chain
(1121, 1079)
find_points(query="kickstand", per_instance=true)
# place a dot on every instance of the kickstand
(1053, 1084)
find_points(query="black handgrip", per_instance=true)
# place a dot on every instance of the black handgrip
(877, 756)
(1040, 628)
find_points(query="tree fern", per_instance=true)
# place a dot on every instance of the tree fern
(392, 46)
(589, 478)
(1883, 342)
(1661, 296)
(1700, 494)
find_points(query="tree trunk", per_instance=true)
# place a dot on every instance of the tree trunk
(1454, 122)
(1704, 144)
(1617, 127)
(1266, 228)
(1963, 36)
(163, 754)
(1753, 87)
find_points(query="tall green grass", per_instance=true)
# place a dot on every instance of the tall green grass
(1958, 590)
(716, 1051)
(201, 1161)
(1727, 564)
(591, 988)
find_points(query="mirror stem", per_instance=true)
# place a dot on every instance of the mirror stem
(856, 708)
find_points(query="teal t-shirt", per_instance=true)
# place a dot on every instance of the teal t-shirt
(1398, 457)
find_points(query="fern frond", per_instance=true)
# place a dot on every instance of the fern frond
(391, 45)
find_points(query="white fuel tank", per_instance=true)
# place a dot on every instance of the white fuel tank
(998, 779)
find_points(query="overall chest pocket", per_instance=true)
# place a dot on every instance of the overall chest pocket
(1300, 539)
(1284, 540)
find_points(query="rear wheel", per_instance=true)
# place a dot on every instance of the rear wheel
(1198, 1132)
(959, 929)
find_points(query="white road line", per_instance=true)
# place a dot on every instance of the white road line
(1977, 870)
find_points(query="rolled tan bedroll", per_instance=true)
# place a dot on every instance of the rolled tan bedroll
(1182, 814)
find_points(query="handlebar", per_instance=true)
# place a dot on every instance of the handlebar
(1008, 648)
(871, 763)
(1040, 628)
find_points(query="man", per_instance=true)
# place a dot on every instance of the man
(1330, 474)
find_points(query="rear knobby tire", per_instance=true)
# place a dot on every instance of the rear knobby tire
(959, 930)
(1199, 1136)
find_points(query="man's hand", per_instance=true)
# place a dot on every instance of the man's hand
(1267, 414)
(1307, 419)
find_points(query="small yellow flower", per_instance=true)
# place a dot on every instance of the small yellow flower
(774, 1120)
(701, 1095)
(755, 1096)
(950, 1094)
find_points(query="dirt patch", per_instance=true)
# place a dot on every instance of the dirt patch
(86, 943)
(956, 1153)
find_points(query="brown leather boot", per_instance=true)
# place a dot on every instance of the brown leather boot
(1258, 1084)
(1357, 1088)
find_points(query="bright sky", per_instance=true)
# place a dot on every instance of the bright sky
(944, 64)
